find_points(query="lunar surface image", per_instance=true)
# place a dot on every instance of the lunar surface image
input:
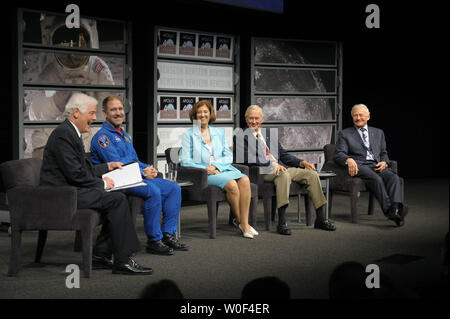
(294, 109)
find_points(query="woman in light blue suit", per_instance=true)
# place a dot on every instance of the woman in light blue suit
(204, 146)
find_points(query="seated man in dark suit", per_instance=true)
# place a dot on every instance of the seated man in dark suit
(363, 150)
(65, 163)
(280, 167)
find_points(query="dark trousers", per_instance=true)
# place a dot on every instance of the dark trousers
(385, 185)
(118, 235)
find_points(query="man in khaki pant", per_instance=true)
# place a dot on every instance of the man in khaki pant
(281, 168)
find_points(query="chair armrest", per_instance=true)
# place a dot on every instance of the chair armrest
(255, 176)
(342, 180)
(393, 165)
(47, 207)
(198, 176)
(243, 168)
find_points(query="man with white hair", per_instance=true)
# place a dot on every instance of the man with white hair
(362, 150)
(65, 163)
(262, 148)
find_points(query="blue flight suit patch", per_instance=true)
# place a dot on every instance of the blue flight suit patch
(103, 141)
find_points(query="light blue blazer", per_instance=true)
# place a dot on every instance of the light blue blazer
(194, 153)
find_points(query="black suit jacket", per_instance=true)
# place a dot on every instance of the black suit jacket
(65, 163)
(350, 144)
(248, 151)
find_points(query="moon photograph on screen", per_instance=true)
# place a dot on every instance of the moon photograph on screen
(286, 107)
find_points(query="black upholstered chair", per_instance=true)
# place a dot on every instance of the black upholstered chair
(267, 191)
(135, 203)
(346, 184)
(201, 192)
(43, 208)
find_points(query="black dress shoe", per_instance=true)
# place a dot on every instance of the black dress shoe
(324, 224)
(283, 230)
(394, 216)
(172, 241)
(131, 267)
(403, 210)
(158, 248)
(101, 262)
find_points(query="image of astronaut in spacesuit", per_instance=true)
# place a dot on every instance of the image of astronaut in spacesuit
(66, 68)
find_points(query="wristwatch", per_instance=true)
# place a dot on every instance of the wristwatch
(144, 173)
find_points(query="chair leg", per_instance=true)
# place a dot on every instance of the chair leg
(299, 200)
(212, 218)
(371, 203)
(267, 202)
(77, 246)
(230, 217)
(42, 239)
(86, 236)
(273, 211)
(16, 240)
(308, 210)
(354, 206)
(330, 203)
(402, 184)
(253, 211)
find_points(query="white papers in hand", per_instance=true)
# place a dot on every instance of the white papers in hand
(128, 176)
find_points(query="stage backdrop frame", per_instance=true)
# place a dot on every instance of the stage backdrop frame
(307, 91)
(104, 68)
(218, 73)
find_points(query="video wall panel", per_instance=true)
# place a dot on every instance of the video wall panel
(51, 68)
(297, 108)
(288, 80)
(48, 105)
(175, 108)
(307, 53)
(35, 139)
(56, 61)
(49, 30)
(297, 84)
(195, 77)
(194, 45)
(192, 66)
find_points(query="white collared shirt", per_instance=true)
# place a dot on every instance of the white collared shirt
(76, 128)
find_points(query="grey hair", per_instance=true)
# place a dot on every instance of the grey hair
(358, 106)
(78, 101)
(254, 107)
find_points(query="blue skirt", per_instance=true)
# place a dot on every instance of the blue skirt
(224, 177)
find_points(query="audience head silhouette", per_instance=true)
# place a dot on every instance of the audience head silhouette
(266, 288)
(164, 289)
(348, 281)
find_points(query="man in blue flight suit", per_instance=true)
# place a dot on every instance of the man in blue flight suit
(111, 142)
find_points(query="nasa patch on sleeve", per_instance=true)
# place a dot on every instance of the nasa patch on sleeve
(103, 141)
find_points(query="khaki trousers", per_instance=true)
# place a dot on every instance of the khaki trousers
(300, 175)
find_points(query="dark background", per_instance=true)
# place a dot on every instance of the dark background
(399, 71)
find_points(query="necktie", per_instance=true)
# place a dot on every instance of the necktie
(366, 143)
(263, 146)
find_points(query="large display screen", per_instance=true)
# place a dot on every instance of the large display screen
(266, 5)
